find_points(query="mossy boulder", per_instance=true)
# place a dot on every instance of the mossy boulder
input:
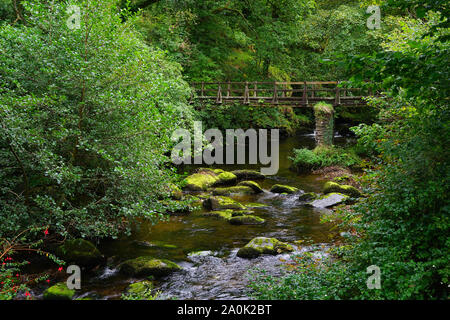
(200, 181)
(59, 292)
(222, 203)
(252, 184)
(224, 215)
(148, 266)
(279, 188)
(81, 252)
(237, 190)
(248, 175)
(256, 205)
(175, 192)
(307, 196)
(226, 178)
(331, 187)
(329, 200)
(245, 220)
(262, 245)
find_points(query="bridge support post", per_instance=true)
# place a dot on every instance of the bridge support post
(324, 114)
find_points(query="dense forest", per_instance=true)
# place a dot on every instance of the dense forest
(91, 92)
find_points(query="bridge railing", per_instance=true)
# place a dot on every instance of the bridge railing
(298, 93)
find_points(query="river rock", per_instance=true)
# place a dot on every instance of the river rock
(351, 191)
(262, 245)
(279, 188)
(224, 215)
(252, 184)
(307, 196)
(81, 252)
(148, 266)
(200, 181)
(59, 292)
(329, 200)
(237, 190)
(248, 175)
(226, 178)
(222, 203)
(245, 220)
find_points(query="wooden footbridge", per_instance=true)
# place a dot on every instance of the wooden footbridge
(295, 94)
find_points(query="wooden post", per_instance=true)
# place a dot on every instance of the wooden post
(203, 90)
(219, 94)
(228, 89)
(275, 93)
(246, 94)
(305, 95)
(337, 99)
(283, 94)
(255, 90)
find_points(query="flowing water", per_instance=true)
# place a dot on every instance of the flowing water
(216, 272)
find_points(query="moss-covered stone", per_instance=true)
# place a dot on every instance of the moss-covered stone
(222, 203)
(256, 205)
(200, 181)
(331, 187)
(246, 220)
(248, 175)
(238, 190)
(279, 188)
(241, 213)
(148, 266)
(59, 292)
(224, 215)
(81, 252)
(226, 178)
(252, 184)
(175, 192)
(262, 245)
(307, 196)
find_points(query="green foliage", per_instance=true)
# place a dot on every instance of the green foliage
(86, 117)
(369, 139)
(305, 160)
(243, 116)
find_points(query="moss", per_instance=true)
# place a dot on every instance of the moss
(59, 292)
(262, 245)
(200, 181)
(222, 203)
(323, 108)
(256, 205)
(329, 200)
(246, 220)
(175, 192)
(225, 215)
(140, 288)
(146, 266)
(80, 251)
(232, 190)
(331, 187)
(307, 196)
(226, 178)
(248, 174)
(278, 188)
(252, 184)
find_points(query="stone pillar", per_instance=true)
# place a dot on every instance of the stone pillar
(324, 114)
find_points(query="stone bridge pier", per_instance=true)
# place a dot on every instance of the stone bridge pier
(324, 116)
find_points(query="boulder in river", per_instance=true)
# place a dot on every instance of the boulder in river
(81, 252)
(329, 200)
(148, 266)
(279, 188)
(248, 175)
(252, 184)
(200, 181)
(59, 292)
(308, 196)
(262, 245)
(225, 178)
(237, 190)
(246, 220)
(222, 203)
(224, 215)
(351, 191)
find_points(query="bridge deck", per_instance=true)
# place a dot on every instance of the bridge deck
(295, 94)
